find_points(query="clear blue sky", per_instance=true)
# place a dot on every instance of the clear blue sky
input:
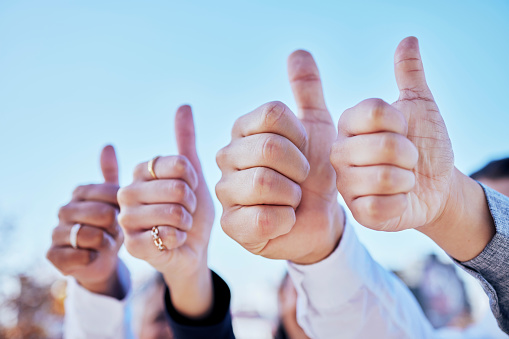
(75, 75)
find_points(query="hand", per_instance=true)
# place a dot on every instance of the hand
(277, 189)
(178, 202)
(395, 164)
(94, 263)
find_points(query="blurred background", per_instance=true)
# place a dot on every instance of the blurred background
(75, 76)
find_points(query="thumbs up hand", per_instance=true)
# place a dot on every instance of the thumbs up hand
(277, 190)
(92, 212)
(395, 165)
(167, 215)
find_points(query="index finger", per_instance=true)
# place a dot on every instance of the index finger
(169, 167)
(273, 117)
(372, 116)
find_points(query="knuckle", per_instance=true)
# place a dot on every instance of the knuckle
(272, 113)
(178, 189)
(140, 170)
(97, 238)
(79, 191)
(180, 164)
(177, 213)
(220, 189)
(389, 143)
(271, 148)
(63, 212)
(386, 176)
(262, 179)
(372, 208)
(376, 109)
(107, 214)
(54, 234)
(50, 255)
(124, 195)
(221, 157)
(263, 223)
(124, 218)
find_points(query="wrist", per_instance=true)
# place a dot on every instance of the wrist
(191, 290)
(112, 286)
(465, 226)
(335, 227)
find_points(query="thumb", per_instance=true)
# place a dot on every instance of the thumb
(307, 86)
(410, 72)
(184, 133)
(109, 165)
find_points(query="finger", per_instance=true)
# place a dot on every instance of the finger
(185, 135)
(88, 237)
(273, 117)
(67, 259)
(377, 180)
(109, 165)
(158, 192)
(265, 150)
(307, 86)
(258, 186)
(141, 244)
(374, 210)
(144, 217)
(91, 213)
(377, 149)
(409, 71)
(372, 116)
(254, 226)
(106, 192)
(169, 167)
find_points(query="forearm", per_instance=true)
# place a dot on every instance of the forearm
(466, 225)
(191, 292)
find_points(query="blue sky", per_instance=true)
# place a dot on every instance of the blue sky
(77, 75)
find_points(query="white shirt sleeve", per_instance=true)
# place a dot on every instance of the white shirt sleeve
(91, 315)
(349, 295)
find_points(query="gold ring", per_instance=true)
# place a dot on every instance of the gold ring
(151, 164)
(157, 240)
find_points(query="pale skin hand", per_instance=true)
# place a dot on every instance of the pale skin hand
(395, 166)
(94, 264)
(278, 186)
(179, 203)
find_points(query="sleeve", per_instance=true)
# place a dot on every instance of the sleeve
(217, 325)
(491, 266)
(349, 295)
(91, 315)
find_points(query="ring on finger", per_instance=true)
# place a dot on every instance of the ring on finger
(150, 166)
(157, 240)
(73, 236)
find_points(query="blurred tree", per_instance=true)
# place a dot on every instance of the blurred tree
(31, 304)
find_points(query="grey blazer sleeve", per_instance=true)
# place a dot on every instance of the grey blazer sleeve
(491, 267)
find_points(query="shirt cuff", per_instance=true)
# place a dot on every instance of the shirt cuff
(490, 266)
(217, 324)
(329, 274)
(95, 315)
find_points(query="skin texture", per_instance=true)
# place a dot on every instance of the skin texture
(94, 264)
(278, 186)
(179, 203)
(395, 166)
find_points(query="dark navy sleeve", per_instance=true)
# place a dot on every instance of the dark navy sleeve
(491, 267)
(217, 325)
